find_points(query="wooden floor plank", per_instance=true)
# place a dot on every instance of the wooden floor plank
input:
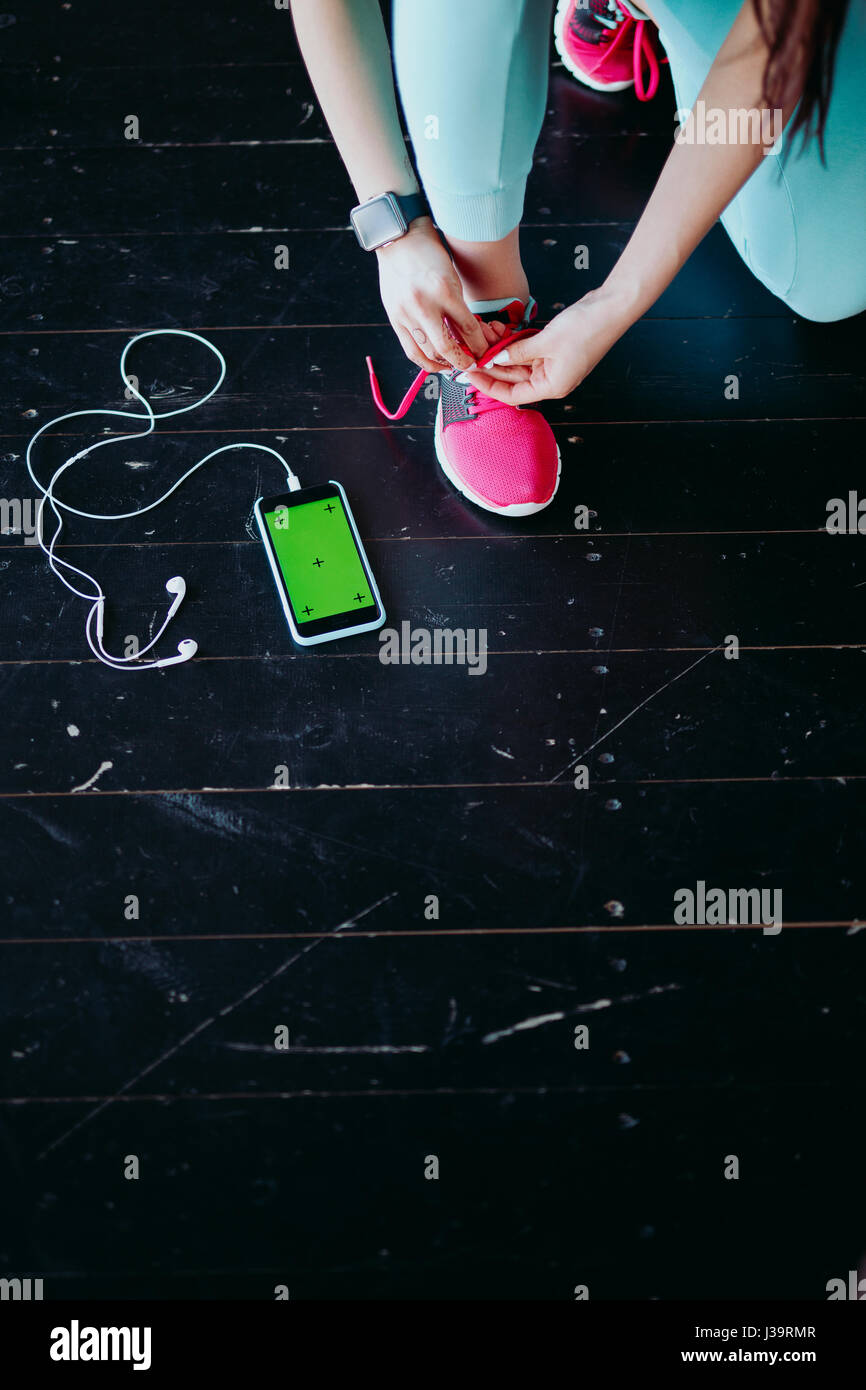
(54, 106)
(521, 719)
(236, 186)
(425, 1013)
(537, 1194)
(500, 858)
(722, 481)
(642, 593)
(291, 377)
(230, 278)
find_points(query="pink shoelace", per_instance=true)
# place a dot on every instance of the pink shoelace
(642, 46)
(643, 49)
(423, 375)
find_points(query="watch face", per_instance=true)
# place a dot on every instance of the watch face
(377, 222)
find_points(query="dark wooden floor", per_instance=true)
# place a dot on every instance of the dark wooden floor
(305, 907)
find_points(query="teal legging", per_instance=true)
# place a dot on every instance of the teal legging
(472, 77)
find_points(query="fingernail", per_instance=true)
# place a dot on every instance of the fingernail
(501, 359)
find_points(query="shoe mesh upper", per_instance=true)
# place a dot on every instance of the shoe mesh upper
(505, 455)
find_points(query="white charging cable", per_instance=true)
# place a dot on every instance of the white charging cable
(176, 586)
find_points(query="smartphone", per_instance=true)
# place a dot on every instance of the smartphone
(322, 574)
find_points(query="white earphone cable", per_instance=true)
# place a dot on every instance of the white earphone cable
(176, 585)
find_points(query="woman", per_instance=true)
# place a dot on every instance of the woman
(472, 76)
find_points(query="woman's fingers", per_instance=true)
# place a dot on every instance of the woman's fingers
(461, 321)
(440, 343)
(414, 351)
(506, 373)
(523, 360)
(509, 392)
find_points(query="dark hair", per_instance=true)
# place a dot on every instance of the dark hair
(802, 36)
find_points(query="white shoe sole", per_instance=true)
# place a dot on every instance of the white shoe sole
(514, 508)
(559, 43)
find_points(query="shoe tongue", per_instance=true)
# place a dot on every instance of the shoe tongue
(502, 310)
(509, 313)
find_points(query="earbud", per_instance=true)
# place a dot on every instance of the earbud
(185, 650)
(176, 586)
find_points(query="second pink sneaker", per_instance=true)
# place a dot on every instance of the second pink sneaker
(605, 47)
(503, 458)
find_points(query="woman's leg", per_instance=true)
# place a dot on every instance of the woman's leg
(490, 269)
(472, 78)
(798, 223)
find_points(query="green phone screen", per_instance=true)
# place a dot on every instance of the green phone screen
(318, 559)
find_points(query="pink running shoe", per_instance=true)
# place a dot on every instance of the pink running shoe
(503, 458)
(605, 47)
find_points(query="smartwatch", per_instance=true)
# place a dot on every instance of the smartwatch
(385, 218)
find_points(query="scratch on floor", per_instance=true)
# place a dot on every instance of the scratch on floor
(62, 837)
(633, 712)
(540, 980)
(523, 1025)
(560, 1014)
(201, 1027)
(622, 999)
(103, 767)
(502, 753)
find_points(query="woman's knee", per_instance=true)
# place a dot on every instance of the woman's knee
(828, 303)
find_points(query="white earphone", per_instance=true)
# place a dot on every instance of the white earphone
(186, 649)
(175, 586)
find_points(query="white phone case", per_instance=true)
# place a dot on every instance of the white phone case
(278, 579)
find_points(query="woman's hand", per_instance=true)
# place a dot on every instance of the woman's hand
(555, 361)
(423, 299)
